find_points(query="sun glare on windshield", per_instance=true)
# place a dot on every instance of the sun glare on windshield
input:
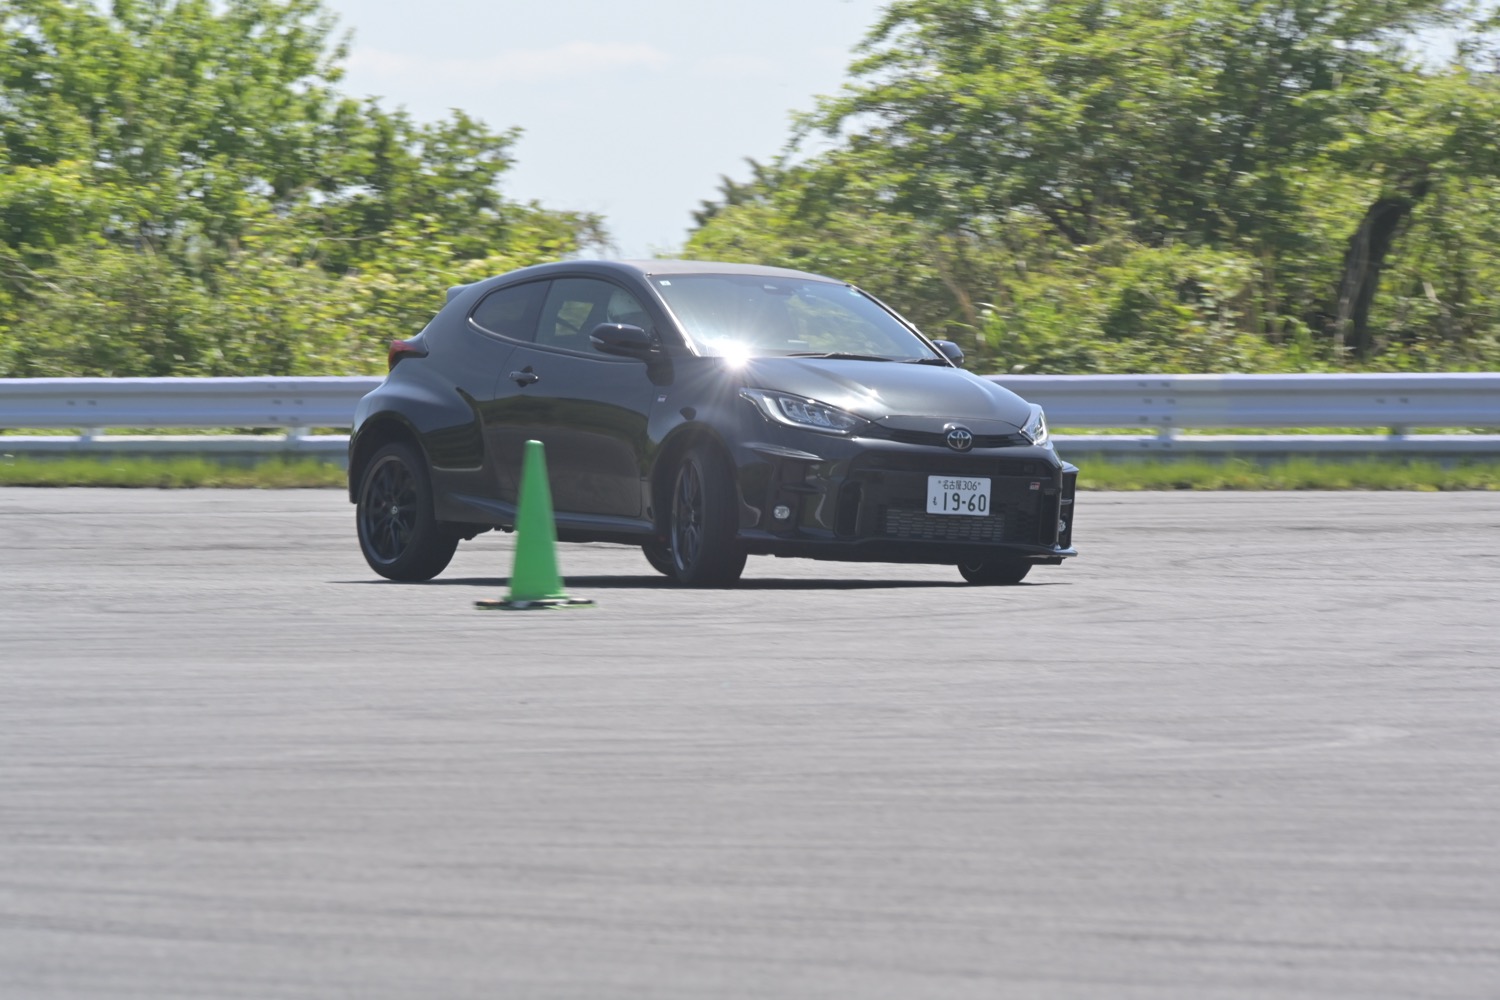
(752, 316)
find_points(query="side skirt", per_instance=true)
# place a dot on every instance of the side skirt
(570, 527)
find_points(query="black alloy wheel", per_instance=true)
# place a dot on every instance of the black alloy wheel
(701, 522)
(991, 571)
(399, 536)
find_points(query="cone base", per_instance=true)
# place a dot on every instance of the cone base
(536, 604)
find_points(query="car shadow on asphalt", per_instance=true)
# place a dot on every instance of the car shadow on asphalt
(651, 582)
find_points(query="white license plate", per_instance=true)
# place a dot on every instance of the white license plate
(958, 495)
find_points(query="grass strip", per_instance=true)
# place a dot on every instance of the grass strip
(1289, 474)
(1095, 474)
(183, 472)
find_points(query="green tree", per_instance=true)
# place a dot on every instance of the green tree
(177, 176)
(1265, 157)
(733, 192)
(187, 114)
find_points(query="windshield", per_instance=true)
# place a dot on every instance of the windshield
(732, 315)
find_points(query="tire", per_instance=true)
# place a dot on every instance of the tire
(659, 555)
(702, 517)
(993, 571)
(400, 538)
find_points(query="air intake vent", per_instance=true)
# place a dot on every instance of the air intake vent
(917, 525)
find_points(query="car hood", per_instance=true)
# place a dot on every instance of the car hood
(897, 394)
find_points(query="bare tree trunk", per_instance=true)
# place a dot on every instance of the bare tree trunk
(1363, 260)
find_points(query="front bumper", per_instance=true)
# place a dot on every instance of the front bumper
(865, 499)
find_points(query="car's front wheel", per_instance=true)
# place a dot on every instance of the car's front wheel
(701, 523)
(398, 534)
(659, 556)
(994, 570)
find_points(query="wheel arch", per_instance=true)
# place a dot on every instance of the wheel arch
(677, 444)
(379, 430)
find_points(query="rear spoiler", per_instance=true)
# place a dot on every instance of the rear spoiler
(454, 292)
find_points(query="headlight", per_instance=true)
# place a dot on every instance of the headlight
(799, 411)
(1035, 430)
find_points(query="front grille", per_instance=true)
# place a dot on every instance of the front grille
(952, 463)
(917, 525)
(939, 439)
(885, 497)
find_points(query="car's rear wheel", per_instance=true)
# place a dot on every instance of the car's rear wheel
(701, 521)
(398, 534)
(993, 571)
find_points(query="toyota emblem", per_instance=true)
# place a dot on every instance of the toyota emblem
(960, 438)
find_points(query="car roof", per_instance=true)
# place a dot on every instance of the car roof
(650, 267)
(639, 268)
(646, 268)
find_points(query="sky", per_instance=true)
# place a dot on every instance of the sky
(631, 110)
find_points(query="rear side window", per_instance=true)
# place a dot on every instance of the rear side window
(510, 312)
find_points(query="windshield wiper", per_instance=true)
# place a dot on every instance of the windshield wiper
(940, 362)
(838, 356)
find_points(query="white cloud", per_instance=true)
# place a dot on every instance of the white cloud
(569, 60)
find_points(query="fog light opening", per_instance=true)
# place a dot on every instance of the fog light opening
(781, 512)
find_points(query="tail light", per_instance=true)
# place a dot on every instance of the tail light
(403, 349)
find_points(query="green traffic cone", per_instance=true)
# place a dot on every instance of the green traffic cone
(534, 580)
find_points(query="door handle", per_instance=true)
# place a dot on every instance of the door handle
(525, 377)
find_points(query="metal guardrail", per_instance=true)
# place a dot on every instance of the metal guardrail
(181, 402)
(94, 405)
(1166, 405)
(1157, 407)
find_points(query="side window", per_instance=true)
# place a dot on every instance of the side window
(510, 312)
(575, 306)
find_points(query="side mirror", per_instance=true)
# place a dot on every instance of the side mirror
(951, 351)
(624, 339)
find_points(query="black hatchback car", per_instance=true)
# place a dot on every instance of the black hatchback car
(705, 412)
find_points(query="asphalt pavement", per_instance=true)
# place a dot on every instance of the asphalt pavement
(1247, 745)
